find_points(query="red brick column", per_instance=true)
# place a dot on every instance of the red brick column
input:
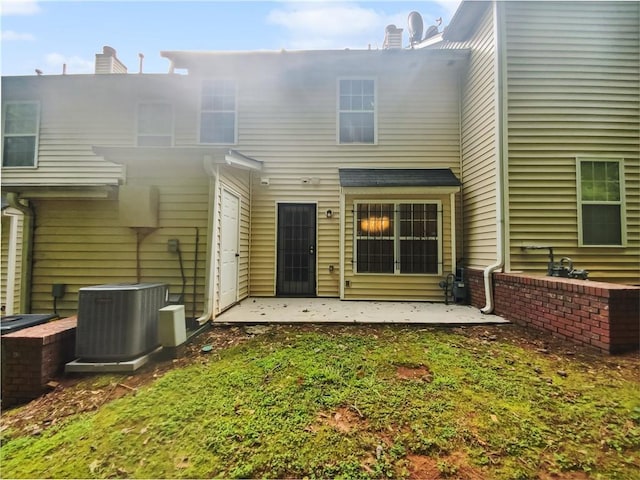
(33, 356)
(475, 281)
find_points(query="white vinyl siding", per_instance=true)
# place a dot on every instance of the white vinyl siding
(20, 130)
(155, 124)
(356, 111)
(218, 112)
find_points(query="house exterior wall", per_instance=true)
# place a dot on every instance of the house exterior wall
(82, 242)
(479, 147)
(417, 127)
(11, 264)
(69, 126)
(573, 91)
(359, 286)
(239, 183)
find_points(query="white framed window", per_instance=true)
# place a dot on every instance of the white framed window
(155, 124)
(20, 130)
(218, 112)
(600, 202)
(398, 237)
(357, 111)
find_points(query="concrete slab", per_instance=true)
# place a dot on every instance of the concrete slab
(333, 310)
(78, 366)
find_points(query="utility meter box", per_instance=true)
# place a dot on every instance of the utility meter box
(138, 206)
(171, 326)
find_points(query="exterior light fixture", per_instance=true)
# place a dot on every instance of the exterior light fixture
(329, 213)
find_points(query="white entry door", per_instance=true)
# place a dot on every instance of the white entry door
(229, 248)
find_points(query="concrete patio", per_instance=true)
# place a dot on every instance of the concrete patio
(332, 310)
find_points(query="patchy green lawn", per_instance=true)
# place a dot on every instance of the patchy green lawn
(357, 402)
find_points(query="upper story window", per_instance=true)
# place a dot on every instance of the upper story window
(357, 111)
(155, 124)
(218, 112)
(600, 202)
(398, 238)
(21, 123)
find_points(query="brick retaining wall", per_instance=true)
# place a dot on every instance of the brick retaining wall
(33, 356)
(602, 315)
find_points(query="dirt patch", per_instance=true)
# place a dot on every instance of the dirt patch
(564, 476)
(456, 465)
(418, 373)
(345, 420)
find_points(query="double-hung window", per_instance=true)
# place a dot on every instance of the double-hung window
(600, 202)
(21, 123)
(357, 111)
(155, 124)
(398, 238)
(218, 112)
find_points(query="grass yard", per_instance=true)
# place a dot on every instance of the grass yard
(354, 402)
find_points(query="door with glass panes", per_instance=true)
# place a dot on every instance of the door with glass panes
(296, 250)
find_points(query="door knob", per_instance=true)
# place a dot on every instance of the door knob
(311, 250)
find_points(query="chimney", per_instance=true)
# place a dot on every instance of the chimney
(107, 62)
(392, 37)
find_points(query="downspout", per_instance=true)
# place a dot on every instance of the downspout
(210, 283)
(28, 234)
(501, 138)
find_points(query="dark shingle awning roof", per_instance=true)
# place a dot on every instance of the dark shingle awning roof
(398, 177)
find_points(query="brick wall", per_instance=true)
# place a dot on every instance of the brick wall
(602, 315)
(33, 356)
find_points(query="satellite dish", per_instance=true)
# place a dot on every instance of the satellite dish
(431, 31)
(415, 27)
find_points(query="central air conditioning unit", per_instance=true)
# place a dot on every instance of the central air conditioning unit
(119, 322)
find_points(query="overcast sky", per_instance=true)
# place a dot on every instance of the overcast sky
(47, 34)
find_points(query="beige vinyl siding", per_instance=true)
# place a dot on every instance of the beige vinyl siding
(6, 293)
(573, 91)
(417, 118)
(479, 145)
(78, 112)
(369, 286)
(81, 243)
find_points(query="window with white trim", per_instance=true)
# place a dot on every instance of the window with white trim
(155, 124)
(21, 124)
(218, 112)
(398, 238)
(600, 202)
(356, 111)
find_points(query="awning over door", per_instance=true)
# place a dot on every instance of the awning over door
(398, 177)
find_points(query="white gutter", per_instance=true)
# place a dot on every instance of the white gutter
(212, 170)
(501, 139)
(12, 260)
(342, 218)
(27, 249)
